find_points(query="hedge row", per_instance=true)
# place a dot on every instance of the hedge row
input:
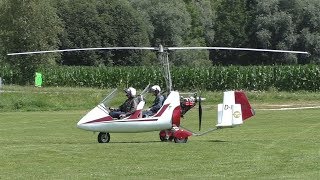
(283, 78)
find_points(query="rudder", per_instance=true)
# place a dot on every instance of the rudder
(246, 109)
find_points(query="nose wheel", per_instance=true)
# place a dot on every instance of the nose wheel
(103, 137)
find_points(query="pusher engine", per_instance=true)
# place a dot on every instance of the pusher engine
(188, 103)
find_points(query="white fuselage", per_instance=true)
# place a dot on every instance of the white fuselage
(99, 120)
(127, 125)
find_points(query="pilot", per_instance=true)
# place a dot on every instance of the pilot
(157, 103)
(128, 107)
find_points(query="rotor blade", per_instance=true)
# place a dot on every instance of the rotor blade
(160, 49)
(85, 49)
(236, 49)
(200, 113)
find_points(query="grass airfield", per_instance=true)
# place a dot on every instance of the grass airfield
(272, 145)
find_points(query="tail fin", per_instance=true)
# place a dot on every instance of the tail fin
(234, 110)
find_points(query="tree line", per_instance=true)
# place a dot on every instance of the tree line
(33, 25)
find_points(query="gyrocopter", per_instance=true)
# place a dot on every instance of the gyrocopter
(233, 111)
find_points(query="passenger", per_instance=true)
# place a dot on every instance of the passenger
(128, 107)
(157, 103)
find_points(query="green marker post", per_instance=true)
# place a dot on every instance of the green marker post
(38, 80)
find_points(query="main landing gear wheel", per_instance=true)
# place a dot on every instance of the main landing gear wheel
(178, 140)
(103, 137)
(165, 138)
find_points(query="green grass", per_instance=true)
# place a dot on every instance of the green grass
(271, 145)
(40, 140)
(18, 98)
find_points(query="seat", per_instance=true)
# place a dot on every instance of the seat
(138, 112)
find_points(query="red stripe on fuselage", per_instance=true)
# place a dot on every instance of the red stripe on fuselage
(124, 120)
(131, 120)
(108, 118)
(161, 110)
(136, 114)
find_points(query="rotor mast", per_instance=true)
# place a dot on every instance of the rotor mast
(164, 60)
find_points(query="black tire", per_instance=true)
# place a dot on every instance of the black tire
(178, 140)
(166, 139)
(170, 138)
(103, 137)
(162, 138)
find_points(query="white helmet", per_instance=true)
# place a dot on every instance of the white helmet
(155, 88)
(132, 91)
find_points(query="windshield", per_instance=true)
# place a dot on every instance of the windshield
(106, 101)
(110, 101)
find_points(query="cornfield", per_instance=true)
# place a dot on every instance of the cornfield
(283, 78)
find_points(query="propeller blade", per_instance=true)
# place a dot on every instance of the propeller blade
(200, 113)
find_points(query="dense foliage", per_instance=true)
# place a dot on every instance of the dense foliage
(28, 26)
(284, 78)
(33, 25)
